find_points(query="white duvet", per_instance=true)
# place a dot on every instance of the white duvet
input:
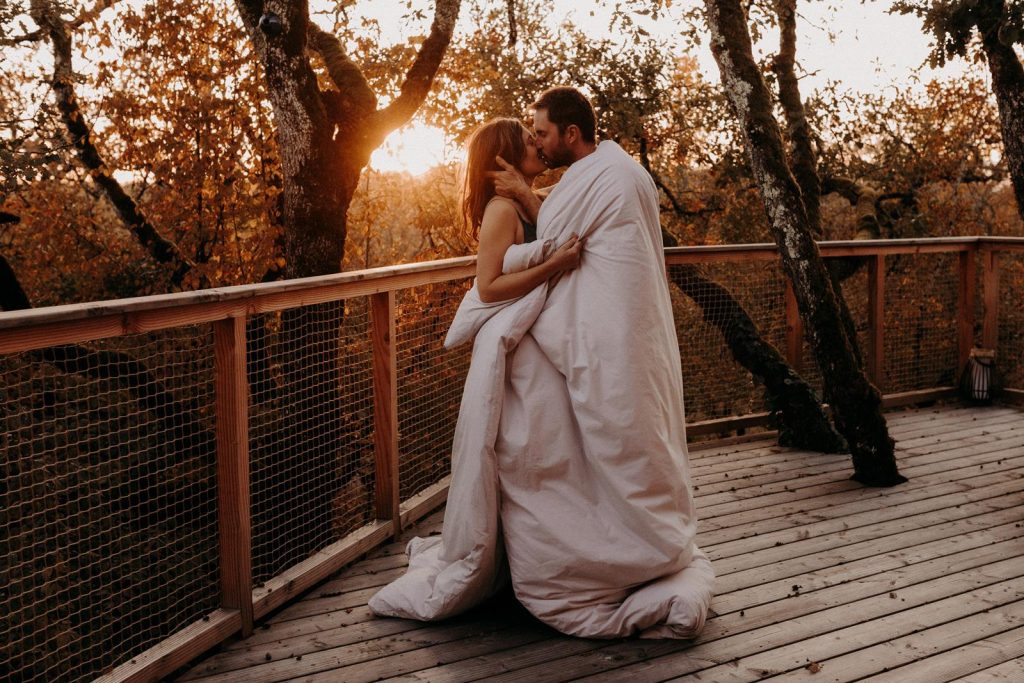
(569, 470)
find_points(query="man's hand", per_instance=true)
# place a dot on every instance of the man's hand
(509, 182)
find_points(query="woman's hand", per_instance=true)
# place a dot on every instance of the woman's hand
(567, 256)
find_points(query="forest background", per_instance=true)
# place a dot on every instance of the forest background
(150, 147)
(179, 114)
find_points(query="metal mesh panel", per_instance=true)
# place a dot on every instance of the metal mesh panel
(1010, 358)
(430, 383)
(920, 321)
(310, 430)
(715, 385)
(108, 498)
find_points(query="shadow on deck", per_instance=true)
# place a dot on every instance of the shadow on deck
(819, 580)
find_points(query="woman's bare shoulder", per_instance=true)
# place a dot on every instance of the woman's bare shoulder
(501, 206)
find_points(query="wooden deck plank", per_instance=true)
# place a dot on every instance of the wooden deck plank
(787, 528)
(806, 559)
(1012, 671)
(752, 654)
(831, 532)
(757, 485)
(958, 663)
(329, 657)
(805, 498)
(989, 624)
(718, 627)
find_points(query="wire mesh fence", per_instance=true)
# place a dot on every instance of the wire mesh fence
(1010, 359)
(108, 500)
(311, 430)
(108, 521)
(430, 382)
(920, 321)
(709, 302)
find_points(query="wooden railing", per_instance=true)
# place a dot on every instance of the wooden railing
(228, 309)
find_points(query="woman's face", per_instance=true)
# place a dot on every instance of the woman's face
(531, 165)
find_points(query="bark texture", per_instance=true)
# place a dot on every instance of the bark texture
(856, 403)
(795, 408)
(1008, 86)
(803, 160)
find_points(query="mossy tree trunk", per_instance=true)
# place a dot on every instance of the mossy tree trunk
(855, 402)
(1008, 86)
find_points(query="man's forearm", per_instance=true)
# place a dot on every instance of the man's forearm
(530, 201)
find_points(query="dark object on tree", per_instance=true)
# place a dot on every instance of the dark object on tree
(271, 25)
(980, 382)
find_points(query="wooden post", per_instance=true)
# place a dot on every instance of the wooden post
(990, 297)
(233, 509)
(794, 330)
(876, 320)
(965, 308)
(385, 408)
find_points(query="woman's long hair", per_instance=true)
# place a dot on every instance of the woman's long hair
(497, 137)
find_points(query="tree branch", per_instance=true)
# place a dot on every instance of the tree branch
(803, 160)
(421, 74)
(161, 249)
(512, 34)
(12, 295)
(357, 96)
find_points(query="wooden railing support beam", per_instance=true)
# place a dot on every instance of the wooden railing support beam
(233, 508)
(385, 408)
(990, 297)
(966, 293)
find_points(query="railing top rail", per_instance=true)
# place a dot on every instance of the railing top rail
(141, 314)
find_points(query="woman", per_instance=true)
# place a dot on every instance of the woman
(498, 222)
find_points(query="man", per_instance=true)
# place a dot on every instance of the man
(569, 458)
(613, 551)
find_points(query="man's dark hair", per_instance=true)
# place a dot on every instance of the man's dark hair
(568, 107)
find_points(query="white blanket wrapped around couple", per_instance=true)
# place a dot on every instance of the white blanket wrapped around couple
(569, 458)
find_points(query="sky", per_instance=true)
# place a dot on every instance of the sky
(856, 43)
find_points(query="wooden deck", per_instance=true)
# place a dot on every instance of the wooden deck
(819, 580)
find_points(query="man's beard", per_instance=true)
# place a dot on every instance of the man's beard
(560, 157)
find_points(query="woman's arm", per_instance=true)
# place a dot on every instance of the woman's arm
(497, 234)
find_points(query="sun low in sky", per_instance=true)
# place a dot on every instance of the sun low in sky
(415, 149)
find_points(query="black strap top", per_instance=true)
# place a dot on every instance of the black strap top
(529, 230)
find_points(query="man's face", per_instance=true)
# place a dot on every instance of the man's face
(551, 145)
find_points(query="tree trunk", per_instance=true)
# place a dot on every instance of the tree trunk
(325, 140)
(1008, 86)
(803, 159)
(795, 409)
(856, 403)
